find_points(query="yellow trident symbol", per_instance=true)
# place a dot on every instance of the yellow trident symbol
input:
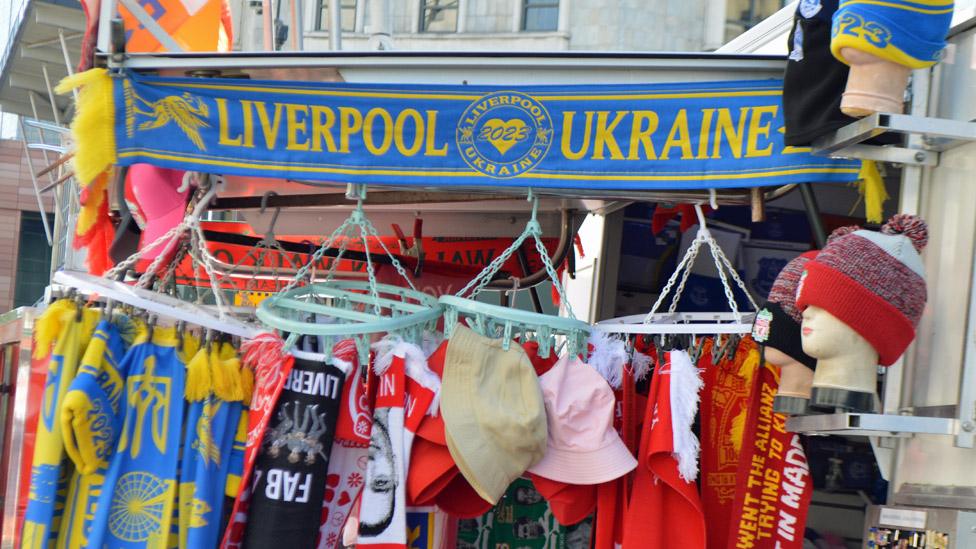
(148, 394)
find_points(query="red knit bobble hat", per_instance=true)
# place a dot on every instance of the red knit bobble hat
(874, 282)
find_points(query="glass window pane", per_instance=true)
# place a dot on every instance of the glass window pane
(439, 15)
(541, 18)
(347, 11)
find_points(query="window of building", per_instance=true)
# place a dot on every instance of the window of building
(744, 14)
(540, 15)
(439, 15)
(347, 10)
(33, 260)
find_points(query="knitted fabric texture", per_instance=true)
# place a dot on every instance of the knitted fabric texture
(874, 282)
(910, 33)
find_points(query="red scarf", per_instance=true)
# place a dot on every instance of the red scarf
(773, 483)
(665, 510)
(271, 365)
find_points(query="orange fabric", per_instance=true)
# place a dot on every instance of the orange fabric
(194, 25)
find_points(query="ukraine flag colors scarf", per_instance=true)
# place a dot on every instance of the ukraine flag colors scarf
(139, 510)
(212, 456)
(91, 420)
(908, 32)
(69, 328)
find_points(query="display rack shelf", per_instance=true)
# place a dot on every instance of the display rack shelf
(871, 425)
(937, 135)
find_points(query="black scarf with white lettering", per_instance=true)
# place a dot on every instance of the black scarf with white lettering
(288, 484)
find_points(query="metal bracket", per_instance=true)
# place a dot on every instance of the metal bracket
(938, 134)
(871, 425)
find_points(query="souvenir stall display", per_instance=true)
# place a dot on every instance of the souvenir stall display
(343, 387)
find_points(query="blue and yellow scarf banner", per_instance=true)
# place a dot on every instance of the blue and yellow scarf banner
(612, 137)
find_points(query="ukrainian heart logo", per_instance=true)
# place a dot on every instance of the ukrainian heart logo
(504, 135)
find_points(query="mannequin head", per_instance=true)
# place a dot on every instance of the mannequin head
(825, 337)
(795, 378)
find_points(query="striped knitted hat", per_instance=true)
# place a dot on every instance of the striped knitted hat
(777, 324)
(874, 282)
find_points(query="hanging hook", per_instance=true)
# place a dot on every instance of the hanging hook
(713, 198)
(533, 227)
(269, 234)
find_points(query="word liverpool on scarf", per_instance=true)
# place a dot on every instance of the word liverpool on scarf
(642, 136)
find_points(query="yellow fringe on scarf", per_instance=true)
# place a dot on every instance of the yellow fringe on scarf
(88, 214)
(49, 325)
(93, 128)
(872, 189)
(247, 384)
(199, 382)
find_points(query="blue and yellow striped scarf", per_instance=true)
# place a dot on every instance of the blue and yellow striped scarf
(61, 333)
(91, 420)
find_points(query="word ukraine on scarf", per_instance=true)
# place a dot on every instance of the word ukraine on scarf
(630, 136)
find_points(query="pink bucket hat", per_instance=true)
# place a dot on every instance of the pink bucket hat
(157, 199)
(582, 445)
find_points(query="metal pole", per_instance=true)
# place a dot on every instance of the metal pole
(67, 59)
(297, 30)
(106, 13)
(50, 96)
(268, 19)
(37, 191)
(813, 215)
(335, 25)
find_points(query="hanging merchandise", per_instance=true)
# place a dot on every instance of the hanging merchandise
(583, 447)
(61, 334)
(777, 329)
(665, 509)
(663, 136)
(521, 519)
(213, 443)
(91, 421)
(139, 510)
(349, 456)
(773, 483)
(861, 298)
(292, 462)
(725, 407)
(406, 394)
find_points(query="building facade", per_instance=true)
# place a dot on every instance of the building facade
(509, 25)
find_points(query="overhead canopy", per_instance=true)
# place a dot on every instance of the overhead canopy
(35, 44)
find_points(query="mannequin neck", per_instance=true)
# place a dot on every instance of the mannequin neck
(855, 368)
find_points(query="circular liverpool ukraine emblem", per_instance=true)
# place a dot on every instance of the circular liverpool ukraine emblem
(504, 134)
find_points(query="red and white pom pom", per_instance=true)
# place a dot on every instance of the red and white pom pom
(912, 226)
(842, 231)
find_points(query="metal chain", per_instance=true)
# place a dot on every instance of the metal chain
(692, 257)
(393, 260)
(551, 270)
(371, 272)
(316, 257)
(479, 282)
(674, 278)
(738, 281)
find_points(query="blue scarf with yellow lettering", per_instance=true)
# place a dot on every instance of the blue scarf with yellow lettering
(209, 460)
(91, 420)
(61, 335)
(139, 510)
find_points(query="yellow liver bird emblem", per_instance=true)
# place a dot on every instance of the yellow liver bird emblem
(189, 113)
(205, 443)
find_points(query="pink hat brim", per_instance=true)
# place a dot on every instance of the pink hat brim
(586, 467)
(157, 227)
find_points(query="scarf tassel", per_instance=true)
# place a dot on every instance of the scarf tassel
(93, 127)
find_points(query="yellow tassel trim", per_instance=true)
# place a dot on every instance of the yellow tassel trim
(247, 385)
(228, 357)
(93, 128)
(88, 214)
(48, 326)
(226, 376)
(872, 189)
(199, 383)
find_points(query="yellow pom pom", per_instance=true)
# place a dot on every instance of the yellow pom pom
(247, 385)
